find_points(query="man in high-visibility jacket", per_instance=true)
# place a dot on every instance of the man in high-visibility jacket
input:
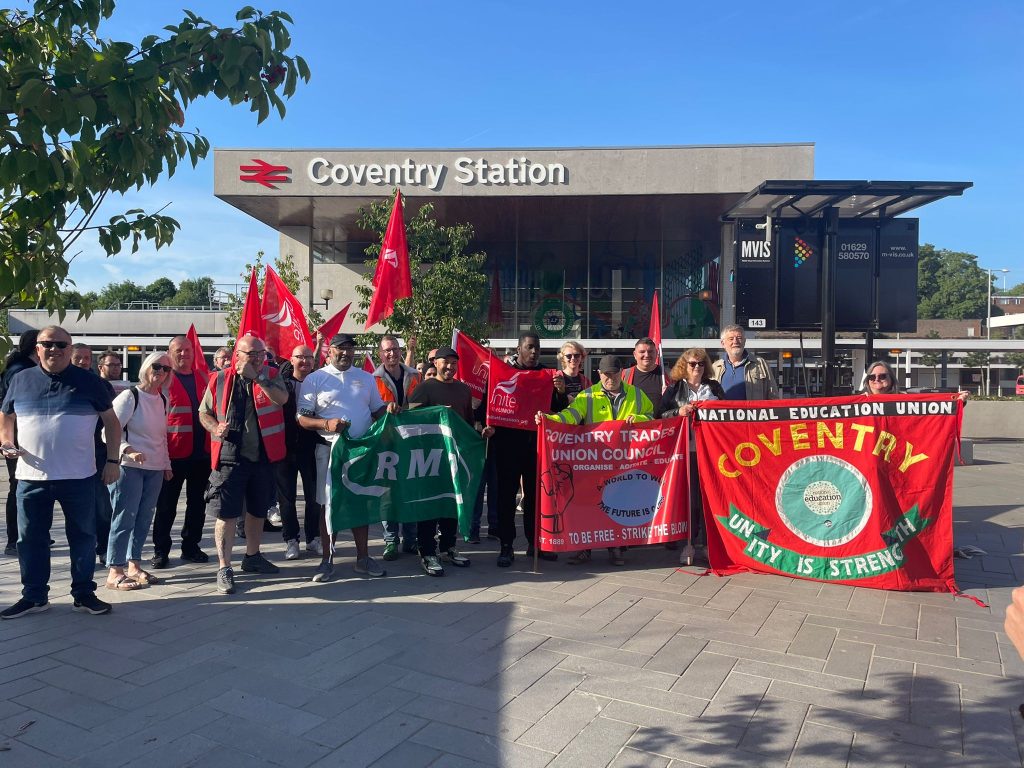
(189, 448)
(611, 399)
(242, 410)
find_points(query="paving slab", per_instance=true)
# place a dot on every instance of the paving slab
(646, 666)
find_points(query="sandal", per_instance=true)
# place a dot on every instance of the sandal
(123, 583)
(145, 579)
(580, 558)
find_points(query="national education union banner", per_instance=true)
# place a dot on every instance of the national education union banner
(612, 484)
(411, 466)
(852, 490)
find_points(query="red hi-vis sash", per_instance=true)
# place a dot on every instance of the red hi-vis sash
(612, 484)
(514, 395)
(852, 490)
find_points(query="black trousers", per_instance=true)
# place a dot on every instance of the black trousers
(194, 475)
(515, 457)
(425, 535)
(104, 514)
(287, 473)
(12, 503)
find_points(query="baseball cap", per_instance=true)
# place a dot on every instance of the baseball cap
(342, 339)
(445, 352)
(609, 364)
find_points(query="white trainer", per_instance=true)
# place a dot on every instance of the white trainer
(291, 551)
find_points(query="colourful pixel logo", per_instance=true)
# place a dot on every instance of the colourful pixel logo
(801, 252)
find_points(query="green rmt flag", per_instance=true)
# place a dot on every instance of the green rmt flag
(411, 466)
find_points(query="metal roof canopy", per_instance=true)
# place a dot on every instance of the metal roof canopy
(853, 199)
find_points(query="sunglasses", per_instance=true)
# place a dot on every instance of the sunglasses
(572, 356)
(878, 377)
(695, 363)
(54, 344)
(160, 368)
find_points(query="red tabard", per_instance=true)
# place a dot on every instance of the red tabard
(179, 417)
(852, 490)
(269, 414)
(612, 484)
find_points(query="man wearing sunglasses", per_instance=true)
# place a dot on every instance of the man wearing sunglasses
(47, 421)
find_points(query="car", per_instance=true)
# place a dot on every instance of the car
(1020, 385)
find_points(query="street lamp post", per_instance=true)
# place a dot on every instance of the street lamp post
(988, 314)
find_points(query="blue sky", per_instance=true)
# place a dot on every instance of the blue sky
(927, 90)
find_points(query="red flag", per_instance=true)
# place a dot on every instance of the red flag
(251, 321)
(516, 394)
(284, 318)
(495, 308)
(655, 329)
(392, 280)
(474, 362)
(198, 358)
(327, 331)
(368, 365)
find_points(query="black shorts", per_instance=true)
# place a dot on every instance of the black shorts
(236, 488)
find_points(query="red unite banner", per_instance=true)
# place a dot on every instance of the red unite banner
(851, 490)
(474, 362)
(612, 484)
(514, 395)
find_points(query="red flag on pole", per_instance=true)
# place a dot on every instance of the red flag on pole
(251, 321)
(368, 365)
(286, 326)
(474, 362)
(327, 331)
(392, 280)
(198, 358)
(655, 329)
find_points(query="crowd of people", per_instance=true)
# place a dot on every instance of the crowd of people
(117, 456)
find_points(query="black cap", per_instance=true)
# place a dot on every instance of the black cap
(609, 364)
(445, 352)
(342, 339)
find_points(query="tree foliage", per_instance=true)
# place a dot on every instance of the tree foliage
(449, 285)
(285, 268)
(1016, 359)
(950, 285)
(82, 117)
(977, 358)
(196, 292)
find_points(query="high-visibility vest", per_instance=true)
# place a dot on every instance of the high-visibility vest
(592, 406)
(269, 416)
(180, 427)
(386, 385)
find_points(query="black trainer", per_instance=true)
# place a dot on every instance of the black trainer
(91, 604)
(22, 607)
(506, 556)
(258, 564)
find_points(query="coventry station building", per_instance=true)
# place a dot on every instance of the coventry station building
(578, 239)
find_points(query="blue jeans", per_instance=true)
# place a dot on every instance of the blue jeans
(35, 517)
(134, 498)
(391, 533)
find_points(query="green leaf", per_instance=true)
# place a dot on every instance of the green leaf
(30, 93)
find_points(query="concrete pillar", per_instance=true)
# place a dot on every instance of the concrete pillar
(727, 272)
(297, 242)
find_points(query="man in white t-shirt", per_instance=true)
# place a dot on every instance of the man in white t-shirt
(47, 422)
(330, 399)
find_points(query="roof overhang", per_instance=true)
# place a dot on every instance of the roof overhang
(788, 199)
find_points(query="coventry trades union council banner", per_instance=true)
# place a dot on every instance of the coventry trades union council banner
(851, 490)
(411, 466)
(612, 484)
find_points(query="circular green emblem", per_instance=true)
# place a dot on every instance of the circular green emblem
(553, 318)
(824, 500)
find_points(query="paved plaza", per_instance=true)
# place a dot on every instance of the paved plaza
(647, 665)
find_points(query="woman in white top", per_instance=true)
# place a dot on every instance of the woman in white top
(142, 411)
